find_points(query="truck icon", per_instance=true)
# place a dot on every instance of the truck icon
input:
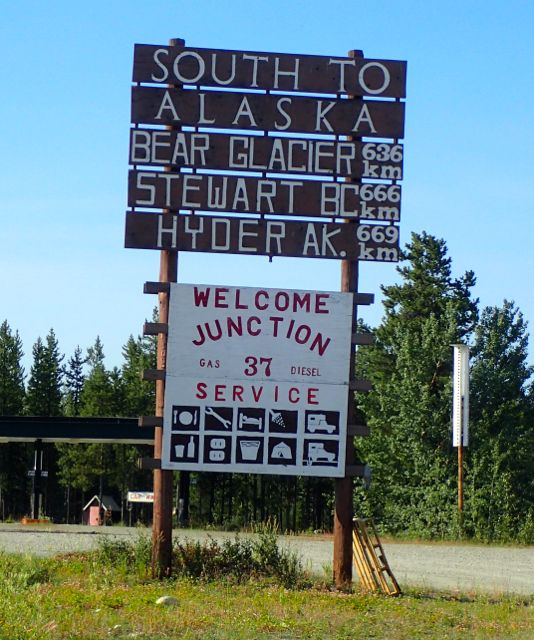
(317, 453)
(318, 422)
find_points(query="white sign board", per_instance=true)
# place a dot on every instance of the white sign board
(140, 496)
(257, 380)
(460, 396)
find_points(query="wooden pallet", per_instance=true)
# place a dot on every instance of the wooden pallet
(370, 559)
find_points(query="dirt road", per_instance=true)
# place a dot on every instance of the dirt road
(440, 566)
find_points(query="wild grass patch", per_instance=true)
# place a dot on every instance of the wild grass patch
(105, 594)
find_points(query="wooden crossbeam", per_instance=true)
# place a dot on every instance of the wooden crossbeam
(156, 287)
(155, 328)
(153, 374)
(360, 384)
(150, 421)
(149, 463)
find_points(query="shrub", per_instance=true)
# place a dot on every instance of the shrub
(131, 555)
(239, 559)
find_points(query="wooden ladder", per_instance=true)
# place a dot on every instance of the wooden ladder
(370, 559)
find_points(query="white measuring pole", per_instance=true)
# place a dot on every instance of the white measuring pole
(460, 412)
(460, 396)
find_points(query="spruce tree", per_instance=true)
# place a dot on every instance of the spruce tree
(74, 381)
(139, 395)
(14, 457)
(97, 394)
(46, 376)
(499, 460)
(101, 397)
(409, 448)
(11, 372)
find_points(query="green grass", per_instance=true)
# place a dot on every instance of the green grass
(109, 594)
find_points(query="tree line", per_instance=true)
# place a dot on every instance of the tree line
(409, 449)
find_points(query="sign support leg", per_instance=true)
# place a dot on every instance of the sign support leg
(163, 481)
(343, 512)
(163, 486)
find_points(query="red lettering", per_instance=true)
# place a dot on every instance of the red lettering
(290, 330)
(257, 321)
(214, 335)
(303, 334)
(301, 302)
(257, 393)
(265, 295)
(281, 301)
(293, 395)
(201, 297)
(320, 302)
(260, 393)
(234, 326)
(220, 298)
(320, 344)
(237, 393)
(276, 321)
(238, 304)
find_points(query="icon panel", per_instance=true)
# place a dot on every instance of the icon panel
(185, 418)
(322, 422)
(282, 421)
(184, 447)
(282, 451)
(320, 453)
(251, 419)
(249, 450)
(249, 436)
(218, 419)
(217, 449)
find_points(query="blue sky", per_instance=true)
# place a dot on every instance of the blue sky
(65, 71)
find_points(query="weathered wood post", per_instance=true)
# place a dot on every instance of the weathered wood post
(163, 480)
(343, 512)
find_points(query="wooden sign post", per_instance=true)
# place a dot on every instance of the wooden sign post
(163, 481)
(311, 149)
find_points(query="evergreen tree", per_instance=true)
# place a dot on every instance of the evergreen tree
(83, 467)
(11, 372)
(500, 464)
(74, 381)
(97, 397)
(138, 399)
(102, 465)
(46, 375)
(139, 395)
(13, 456)
(410, 365)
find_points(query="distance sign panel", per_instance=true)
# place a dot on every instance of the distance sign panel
(269, 71)
(262, 237)
(216, 192)
(308, 156)
(257, 380)
(254, 111)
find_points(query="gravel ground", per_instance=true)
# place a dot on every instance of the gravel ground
(464, 568)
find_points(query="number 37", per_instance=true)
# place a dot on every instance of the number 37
(255, 363)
